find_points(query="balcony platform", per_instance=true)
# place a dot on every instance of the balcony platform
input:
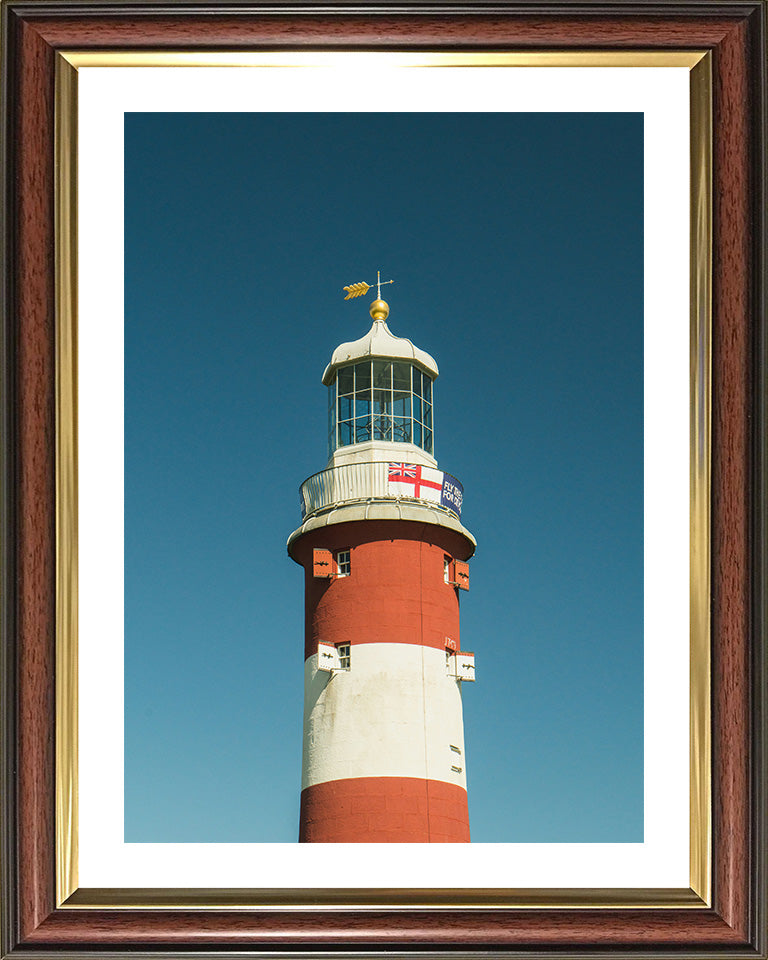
(361, 491)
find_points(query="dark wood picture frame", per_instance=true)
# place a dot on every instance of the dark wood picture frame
(735, 925)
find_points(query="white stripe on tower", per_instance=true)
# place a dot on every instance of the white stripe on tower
(394, 713)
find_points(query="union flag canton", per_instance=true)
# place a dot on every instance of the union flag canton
(402, 471)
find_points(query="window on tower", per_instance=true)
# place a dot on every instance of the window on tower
(380, 400)
(343, 563)
(345, 655)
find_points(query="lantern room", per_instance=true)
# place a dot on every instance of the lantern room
(380, 398)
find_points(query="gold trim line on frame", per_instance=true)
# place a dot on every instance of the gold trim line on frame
(700, 479)
(384, 899)
(244, 58)
(65, 136)
(68, 894)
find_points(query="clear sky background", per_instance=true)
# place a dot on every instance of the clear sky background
(516, 244)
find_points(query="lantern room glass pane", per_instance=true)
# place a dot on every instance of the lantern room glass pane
(428, 441)
(382, 401)
(401, 404)
(426, 388)
(363, 376)
(402, 429)
(346, 380)
(382, 428)
(362, 404)
(401, 376)
(417, 432)
(345, 408)
(382, 374)
(427, 418)
(345, 433)
(331, 418)
(362, 429)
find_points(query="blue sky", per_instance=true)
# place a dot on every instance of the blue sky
(515, 242)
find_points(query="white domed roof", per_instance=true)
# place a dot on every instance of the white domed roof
(379, 342)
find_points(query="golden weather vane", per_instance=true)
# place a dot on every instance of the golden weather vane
(360, 289)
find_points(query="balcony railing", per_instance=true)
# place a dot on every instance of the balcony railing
(359, 482)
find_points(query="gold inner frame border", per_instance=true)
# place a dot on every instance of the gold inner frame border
(68, 893)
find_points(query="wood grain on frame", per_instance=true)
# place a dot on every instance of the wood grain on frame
(35, 31)
(35, 532)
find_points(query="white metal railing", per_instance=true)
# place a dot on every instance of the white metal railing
(351, 483)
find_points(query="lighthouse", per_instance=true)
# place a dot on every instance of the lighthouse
(385, 557)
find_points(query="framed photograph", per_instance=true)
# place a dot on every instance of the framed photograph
(562, 212)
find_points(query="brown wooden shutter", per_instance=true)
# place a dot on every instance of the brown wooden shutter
(322, 563)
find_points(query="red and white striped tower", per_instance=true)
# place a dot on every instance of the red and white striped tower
(384, 554)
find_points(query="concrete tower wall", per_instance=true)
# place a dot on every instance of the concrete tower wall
(396, 593)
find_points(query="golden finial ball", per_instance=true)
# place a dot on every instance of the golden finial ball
(379, 310)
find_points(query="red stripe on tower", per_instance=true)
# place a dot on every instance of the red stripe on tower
(384, 810)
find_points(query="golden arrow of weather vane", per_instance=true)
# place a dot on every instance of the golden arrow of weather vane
(360, 289)
(356, 290)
